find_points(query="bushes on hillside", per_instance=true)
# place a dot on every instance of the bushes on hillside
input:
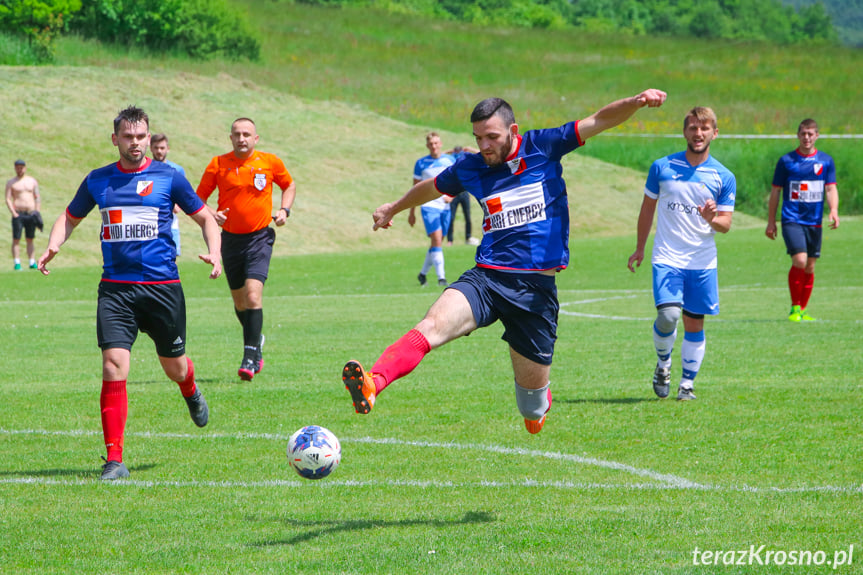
(37, 23)
(728, 19)
(199, 28)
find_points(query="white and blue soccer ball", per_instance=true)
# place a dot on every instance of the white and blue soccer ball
(314, 452)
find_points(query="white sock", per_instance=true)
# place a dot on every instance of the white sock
(691, 355)
(664, 344)
(427, 263)
(437, 260)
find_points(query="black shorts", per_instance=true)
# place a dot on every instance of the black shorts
(247, 256)
(799, 238)
(159, 310)
(525, 303)
(26, 222)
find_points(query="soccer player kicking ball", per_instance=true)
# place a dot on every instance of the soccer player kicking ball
(140, 287)
(517, 180)
(695, 197)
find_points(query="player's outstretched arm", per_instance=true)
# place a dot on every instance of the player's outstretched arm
(213, 239)
(63, 227)
(618, 112)
(423, 192)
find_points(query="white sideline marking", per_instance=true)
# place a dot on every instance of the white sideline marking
(665, 481)
(602, 316)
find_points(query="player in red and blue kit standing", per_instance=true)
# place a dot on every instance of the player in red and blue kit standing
(806, 178)
(518, 181)
(140, 288)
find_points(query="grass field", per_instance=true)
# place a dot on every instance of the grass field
(442, 477)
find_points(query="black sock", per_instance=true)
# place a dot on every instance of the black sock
(252, 331)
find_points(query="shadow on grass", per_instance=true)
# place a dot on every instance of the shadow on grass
(77, 473)
(322, 528)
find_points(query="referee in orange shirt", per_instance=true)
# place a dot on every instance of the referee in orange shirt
(245, 180)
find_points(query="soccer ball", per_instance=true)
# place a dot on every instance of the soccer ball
(314, 452)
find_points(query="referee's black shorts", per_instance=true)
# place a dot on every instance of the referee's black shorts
(159, 310)
(247, 256)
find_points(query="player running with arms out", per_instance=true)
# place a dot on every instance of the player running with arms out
(806, 178)
(140, 288)
(517, 180)
(695, 197)
(245, 180)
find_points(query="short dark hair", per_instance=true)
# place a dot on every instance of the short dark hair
(156, 138)
(251, 121)
(493, 107)
(132, 115)
(806, 124)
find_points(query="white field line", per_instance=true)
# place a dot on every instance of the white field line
(662, 481)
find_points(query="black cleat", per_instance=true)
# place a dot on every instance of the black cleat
(113, 470)
(198, 408)
(661, 381)
(422, 279)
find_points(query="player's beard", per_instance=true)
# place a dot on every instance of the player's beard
(500, 153)
(704, 147)
(131, 158)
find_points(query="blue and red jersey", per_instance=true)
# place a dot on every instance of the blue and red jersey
(803, 179)
(524, 201)
(136, 210)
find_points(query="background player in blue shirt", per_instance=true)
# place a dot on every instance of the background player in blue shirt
(518, 181)
(806, 177)
(159, 147)
(140, 287)
(436, 214)
(695, 196)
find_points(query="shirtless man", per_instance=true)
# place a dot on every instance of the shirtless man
(22, 199)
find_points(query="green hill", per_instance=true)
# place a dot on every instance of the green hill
(346, 160)
(431, 73)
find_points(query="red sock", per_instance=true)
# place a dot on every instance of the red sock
(187, 386)
(806, 290)
(400, 358)
(795, 284)
(115, 409)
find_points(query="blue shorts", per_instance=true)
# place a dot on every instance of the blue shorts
(799, 238)
(435, 219)
(697, 291)
(525, 303)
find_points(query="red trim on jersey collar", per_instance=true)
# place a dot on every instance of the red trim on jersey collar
(814, 151)
(517, 148)
(147, 162)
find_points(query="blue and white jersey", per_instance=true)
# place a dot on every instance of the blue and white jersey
(803, 179)
(683, 238)
(176, 166)
(136, 211)
(428, 167)
(524, 201)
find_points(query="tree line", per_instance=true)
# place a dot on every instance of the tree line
(196, 28)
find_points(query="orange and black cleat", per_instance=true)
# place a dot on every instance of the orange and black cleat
(361, 385)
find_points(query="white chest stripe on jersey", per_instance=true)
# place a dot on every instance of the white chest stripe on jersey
(130, 223)
(512, 208)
